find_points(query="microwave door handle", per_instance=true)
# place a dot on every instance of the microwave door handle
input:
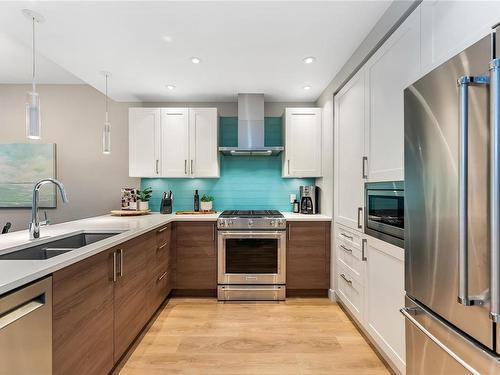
(463, 207)
(495, 189)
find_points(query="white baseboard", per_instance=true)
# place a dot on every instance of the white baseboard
(331, 295)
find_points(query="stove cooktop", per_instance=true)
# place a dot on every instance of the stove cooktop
(251, 220)
(250, 213)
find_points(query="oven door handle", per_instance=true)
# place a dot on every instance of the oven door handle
(231, 234)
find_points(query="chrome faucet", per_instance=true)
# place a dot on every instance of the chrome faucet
(34, 227)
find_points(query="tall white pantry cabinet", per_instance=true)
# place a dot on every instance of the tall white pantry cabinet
(173, 142)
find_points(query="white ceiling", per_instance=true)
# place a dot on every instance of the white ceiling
(244, 46)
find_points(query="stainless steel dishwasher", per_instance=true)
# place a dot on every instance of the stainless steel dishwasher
(26, 330)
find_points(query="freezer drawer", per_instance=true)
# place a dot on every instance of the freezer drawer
(26, 330)
(434, 347)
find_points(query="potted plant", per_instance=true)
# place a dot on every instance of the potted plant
(206, 202)
(144, 197)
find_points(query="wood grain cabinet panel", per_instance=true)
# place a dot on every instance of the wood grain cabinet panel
(131, 291)
(83, 316)
(160, 268)
(308, 256)
(196, 255)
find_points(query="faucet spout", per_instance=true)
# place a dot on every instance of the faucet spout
(34, 227)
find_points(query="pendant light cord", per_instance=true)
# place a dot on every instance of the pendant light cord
(33, 42)
(106, 99)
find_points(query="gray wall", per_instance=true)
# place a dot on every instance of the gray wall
(72, 117)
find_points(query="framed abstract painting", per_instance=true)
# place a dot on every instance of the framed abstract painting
(21, 165)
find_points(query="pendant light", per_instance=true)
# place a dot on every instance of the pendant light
(106, 131)
(33, 120)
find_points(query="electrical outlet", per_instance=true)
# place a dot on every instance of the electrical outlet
(293, 197)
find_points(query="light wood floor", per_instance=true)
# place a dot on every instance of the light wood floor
(299, 336)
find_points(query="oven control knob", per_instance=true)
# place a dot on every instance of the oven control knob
(273, 223)
(229, 223)
(250, 222)
(222, 223)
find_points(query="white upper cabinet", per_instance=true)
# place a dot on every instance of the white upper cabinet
(144, 142)
(349, 152)
(448, 27)
(391, 69)
(173, 142)
(204, 155)
(303, 143)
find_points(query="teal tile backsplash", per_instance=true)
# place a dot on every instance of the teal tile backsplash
(246, 182)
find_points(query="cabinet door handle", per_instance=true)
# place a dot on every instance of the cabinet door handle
(347, 236)
(120, 251)
(213, 232)
(156, 167)
(191, 169)
(363, 249)
(360, 212)
(185, 166)
(346, 249)
(289, 232)
(114, 266)
(288, 162)
(346, 279)
(162, 229)
(365, 160)
(162, 276)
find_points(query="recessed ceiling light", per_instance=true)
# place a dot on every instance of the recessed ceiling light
(309, 60)
(195, 60)
(307, 87)
(170, 87)
(167, 38)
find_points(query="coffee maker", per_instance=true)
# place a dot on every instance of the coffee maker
(309, 199)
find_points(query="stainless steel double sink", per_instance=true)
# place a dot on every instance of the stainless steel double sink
(57, 247)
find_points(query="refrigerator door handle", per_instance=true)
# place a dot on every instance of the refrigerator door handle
(409, 311)
(463, 263)
(495, 189)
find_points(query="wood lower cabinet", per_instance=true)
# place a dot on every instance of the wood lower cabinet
(308, 258)
(102, 303)
(160, 267)
(83, 316)
(196, 254)
(131, 290)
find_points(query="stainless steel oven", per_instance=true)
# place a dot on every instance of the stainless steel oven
(384, 211)
(251, 265)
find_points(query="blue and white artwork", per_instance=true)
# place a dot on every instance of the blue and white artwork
(21, 165)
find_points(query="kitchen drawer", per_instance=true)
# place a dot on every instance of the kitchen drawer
(350, 291)
(349, 236)
(164, 235)
(351, 255)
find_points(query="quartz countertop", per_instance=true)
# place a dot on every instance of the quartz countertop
(16, 273)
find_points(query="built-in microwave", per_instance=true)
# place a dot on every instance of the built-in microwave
(384, 211)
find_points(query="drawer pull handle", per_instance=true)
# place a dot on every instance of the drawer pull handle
(162, 246)
(346, 249)
(346, 279)
(347, 236)
(162, 229)
(162, 276)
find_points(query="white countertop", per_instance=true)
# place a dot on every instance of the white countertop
(15, 273)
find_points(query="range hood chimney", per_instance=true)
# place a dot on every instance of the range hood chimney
(251, 128)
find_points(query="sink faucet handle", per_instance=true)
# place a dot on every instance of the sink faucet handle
(46, 221)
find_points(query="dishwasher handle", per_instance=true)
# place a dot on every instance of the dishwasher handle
(20, 311)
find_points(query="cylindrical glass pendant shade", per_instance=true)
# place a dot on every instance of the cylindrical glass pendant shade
(106, 138)
(33, 119)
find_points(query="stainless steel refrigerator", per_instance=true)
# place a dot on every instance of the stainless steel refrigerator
(452, 215)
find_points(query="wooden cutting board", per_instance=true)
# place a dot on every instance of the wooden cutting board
(129, 212)
(195, 212)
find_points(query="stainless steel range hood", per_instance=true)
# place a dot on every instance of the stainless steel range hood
(251, 128)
